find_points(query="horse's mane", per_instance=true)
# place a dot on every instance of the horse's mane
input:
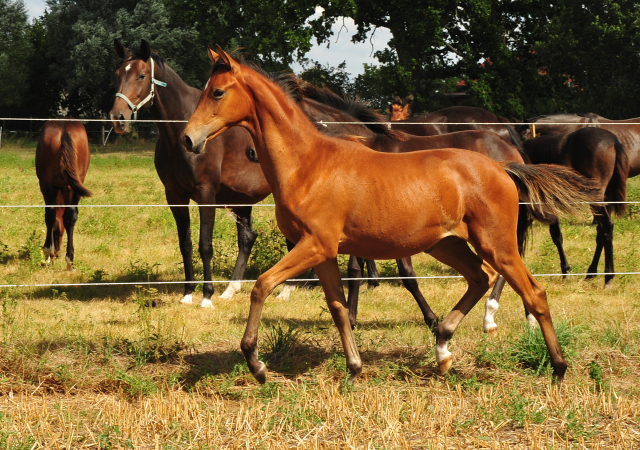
(354, 107)
(157, 58)
(588, 115)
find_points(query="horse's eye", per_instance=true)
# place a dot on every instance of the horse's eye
(141, 77)
(218, 93)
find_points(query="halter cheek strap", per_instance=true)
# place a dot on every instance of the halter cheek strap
(152, 93)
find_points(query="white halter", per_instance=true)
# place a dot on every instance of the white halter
(135, 108)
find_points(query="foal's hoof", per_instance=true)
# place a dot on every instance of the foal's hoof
(187, 300)
(493, 332)
(445, 365)
(261, 374)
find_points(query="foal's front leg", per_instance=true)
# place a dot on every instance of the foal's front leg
(307, 253)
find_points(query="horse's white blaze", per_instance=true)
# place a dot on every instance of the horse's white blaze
(128, 67)
(286, 292)
(442, 352)
(532, 321)
(233, 288)
(187, 299)
(206, 303)
(490, 309)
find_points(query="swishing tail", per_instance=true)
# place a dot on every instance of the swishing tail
(68, 165)
(617, 188)
(552, 191)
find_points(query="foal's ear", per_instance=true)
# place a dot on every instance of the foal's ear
(121, 50)
(213, 56)
(145, 50)
(405, 110)
(228, 60)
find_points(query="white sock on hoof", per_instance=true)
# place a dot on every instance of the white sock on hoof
(490, 309)
(187, 299)
(69, 263)
(233, 288)
(206, 303)
(286, 292)
(532, 321)
(442, 352)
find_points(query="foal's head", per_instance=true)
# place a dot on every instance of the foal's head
(134, 83)
(398, 112)
(224, 103)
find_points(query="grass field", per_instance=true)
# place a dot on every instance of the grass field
(98, 367)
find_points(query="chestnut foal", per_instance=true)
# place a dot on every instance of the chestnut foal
(437, 201)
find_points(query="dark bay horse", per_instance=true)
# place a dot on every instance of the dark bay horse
(221, 174)
(597, 154)
(627, 131)
(62, 161)
(322, 105)
(438, 201)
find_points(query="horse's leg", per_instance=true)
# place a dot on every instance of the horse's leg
(604, 240)
(290, 286)
(205, 248)
(69, 219)
(302, 257)
(456, 253)
(556, 237)
(372, 274)
(533, 295)
(246, 238)
(405, 269)
(354, 270)
(492, 304)
(329, 275)
(49, 193)
(183, 223)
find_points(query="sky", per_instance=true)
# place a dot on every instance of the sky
(340, 47)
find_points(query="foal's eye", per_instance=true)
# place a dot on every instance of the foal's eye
(141, 77)
(217, 94)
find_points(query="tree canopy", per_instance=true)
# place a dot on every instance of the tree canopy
(517, 58)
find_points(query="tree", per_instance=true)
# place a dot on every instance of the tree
(15, 52)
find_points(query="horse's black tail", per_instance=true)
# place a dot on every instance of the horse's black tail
(551, 191)
(617, 188)
(68, 165)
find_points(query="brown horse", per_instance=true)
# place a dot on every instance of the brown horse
(220, 175)
(436, 201)
(322, 105)
(627, 131)
(62, 161)
(597, 154)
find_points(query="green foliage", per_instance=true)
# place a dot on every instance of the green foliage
(595, 373)
(334, 78)
(278, 340)
(15, 51)
(31, 251)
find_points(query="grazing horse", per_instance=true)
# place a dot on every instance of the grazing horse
(322, 105)
(459, 118)
(62, 161)
(436, 201)
(627, 131)
(221, 174)
(597, 154)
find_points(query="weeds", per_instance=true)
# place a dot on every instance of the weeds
(32, 253)
(279, 340)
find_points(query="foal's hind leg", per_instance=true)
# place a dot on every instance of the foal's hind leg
(354, 270)
(456, 253)
(246, 238)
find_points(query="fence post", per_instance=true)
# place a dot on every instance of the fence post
(0, 137)
(103, 135)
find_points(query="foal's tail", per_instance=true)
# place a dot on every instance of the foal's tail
(617, 188)
(552, 191)
(68, 165)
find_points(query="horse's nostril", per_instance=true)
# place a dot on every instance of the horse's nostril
(187, 143)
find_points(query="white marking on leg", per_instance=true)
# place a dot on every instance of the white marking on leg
(49, 253)
(187, 299)
(206, 303)
(490, 309)
(69, 264)
(442, 352)
(286, 291)
(533, 323)
(233, 288)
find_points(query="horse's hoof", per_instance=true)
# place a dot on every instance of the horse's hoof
(445, 365)
(187, 300)
(261, 374)
(608, 284)
(493, 332)
(206, 303)
(286, 292)
(70, 267)
(233, 288)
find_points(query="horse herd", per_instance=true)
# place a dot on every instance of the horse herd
(345, 180)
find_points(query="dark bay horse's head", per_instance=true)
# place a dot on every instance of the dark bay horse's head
(224, 103)
(134, 83)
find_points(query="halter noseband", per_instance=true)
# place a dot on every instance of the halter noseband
(136, 108)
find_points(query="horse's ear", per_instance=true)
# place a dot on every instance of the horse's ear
(145, 50)
(121, 50)
(213, 56)
(228, 60)
(405, 110)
